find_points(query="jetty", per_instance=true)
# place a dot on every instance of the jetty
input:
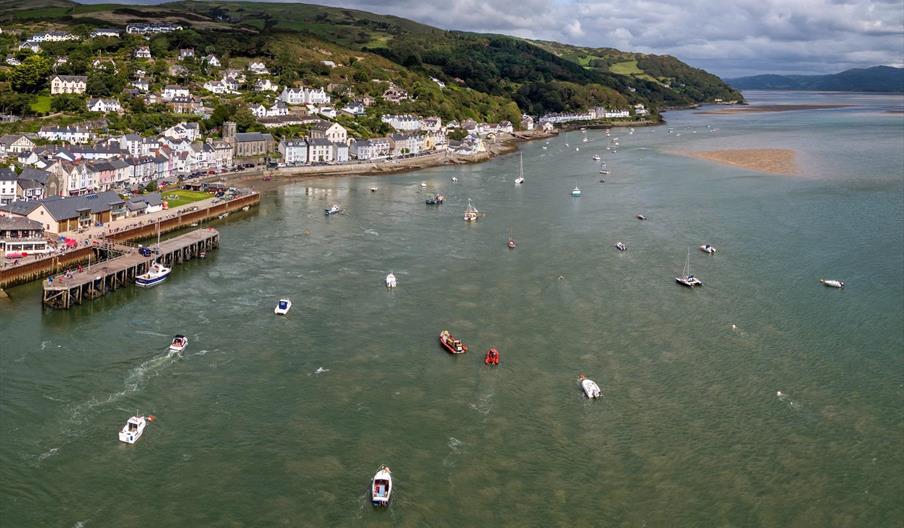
(125, 263)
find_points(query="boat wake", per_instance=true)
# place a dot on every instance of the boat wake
(321, 370)
(455, 449)
(371, 232)
(782, 396)
(484, 405)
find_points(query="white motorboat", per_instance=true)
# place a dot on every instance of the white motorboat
(576, 192)
(604, 171)
(621, 246)
(157, 274)
(590, 388)
(423, 185)
(381, 487)
(596, 157)
(133, 429)
(520, 179)
(584, 140)
(831, 283)
(374, 189)
(706, 248)
(283, 307)
(687, 279)
(391, 280)
(641, 217)
(471, 213)
(334, 209)
(454, 179)
(179, 343)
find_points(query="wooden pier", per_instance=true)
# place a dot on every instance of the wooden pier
(62, 292)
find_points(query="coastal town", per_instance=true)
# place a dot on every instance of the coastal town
(83, 166)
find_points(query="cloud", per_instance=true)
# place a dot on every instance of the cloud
(729, 37)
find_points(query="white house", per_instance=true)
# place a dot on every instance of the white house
(144, 29)
(143, 52)
(141, 84)
(105, 32)
(104, 105)
(212, 60)
(299, 96)
(69, 134)
(354, 108)
(402, 122)
(186, 53)
(294, 151)
(330, 131)
(264, 85)
(187, 131)
(30, 45)
(527, 122)
(640, 110)
(368, 149)
(53, 36)
(320, 151)
(217, 87)
(68, 84)
(279, 108)
(258, 68)
(171, 91)
(327, 111)
(438, 82)
(100, 64)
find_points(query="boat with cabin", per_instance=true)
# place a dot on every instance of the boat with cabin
(133, 429)
(621, 246)
(381, 487)
(154, 276)
(709, 250)
(450, 343)
(641, 217)
(832, 283)
(436, 199)
(576, 192)
(391, 280)
(282, 307)
(333, 209)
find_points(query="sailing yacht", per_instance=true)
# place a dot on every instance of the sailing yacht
(520, 179)
(471, 213)
(687, 279)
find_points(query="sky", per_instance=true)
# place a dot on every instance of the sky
(730, 38)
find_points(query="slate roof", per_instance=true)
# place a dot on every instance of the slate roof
(37, 175)
(7, 174)
(252, 136)
(18, 222)
(61, 208)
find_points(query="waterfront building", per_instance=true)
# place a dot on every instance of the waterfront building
(330, 131)
(320, 150)
(252, 144)
(369, 149)
(20, 236)
(8, 179)
(294, 151)
(59, 214)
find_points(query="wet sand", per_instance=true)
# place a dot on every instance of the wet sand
(772, 161)
(772, 108)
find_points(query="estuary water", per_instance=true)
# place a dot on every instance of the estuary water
(760, 399)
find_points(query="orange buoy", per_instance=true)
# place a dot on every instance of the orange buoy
(151, 418)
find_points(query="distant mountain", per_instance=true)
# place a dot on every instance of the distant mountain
(875, 79)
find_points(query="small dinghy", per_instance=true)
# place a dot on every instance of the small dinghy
(641, 217)
(283, 307)
(492, 357)
(334, 209)
(596, 157)
(454, 179)
(381, 487)
(831, 283)
(374, 189)
(576, 192)
(391, 280)
(709, 250)
(511, 243)
(436, 199)
(179, 343)
(621, 246)
(134, 428)
(590, 388)
(423, 185)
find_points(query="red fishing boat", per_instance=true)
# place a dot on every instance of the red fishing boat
(492, 357)
(454, 346)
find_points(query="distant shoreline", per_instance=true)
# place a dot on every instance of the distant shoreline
(750, 109)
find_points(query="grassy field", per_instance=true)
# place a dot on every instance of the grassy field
(625, 68)
(41, 104)
(175, 198)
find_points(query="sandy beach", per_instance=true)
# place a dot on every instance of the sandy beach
(772, 161)
(771, 108)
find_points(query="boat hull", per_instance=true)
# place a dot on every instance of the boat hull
(591, 389)
(449, 343)
(381, 488)
(147, 282)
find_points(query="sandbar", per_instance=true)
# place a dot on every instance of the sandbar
(772, 108)
(772, 161)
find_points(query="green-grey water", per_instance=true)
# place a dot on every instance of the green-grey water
(691, 430)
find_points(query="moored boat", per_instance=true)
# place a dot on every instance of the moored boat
(641, 217)
(334, 209)
(391, 280)
(511, 243)
(621, 246)
(471, 213)
(283, 307)
(590, 388)
(491, 357)
(154, 276)
(831, 283)
(381, 487)
(688, 279)
(596, 157)
(520, 179)
(436, 199)
(576, 192)
(454, 346)
(706, 248)
(179, 343)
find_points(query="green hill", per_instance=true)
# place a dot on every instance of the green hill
(486, 77)
(875, 79)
